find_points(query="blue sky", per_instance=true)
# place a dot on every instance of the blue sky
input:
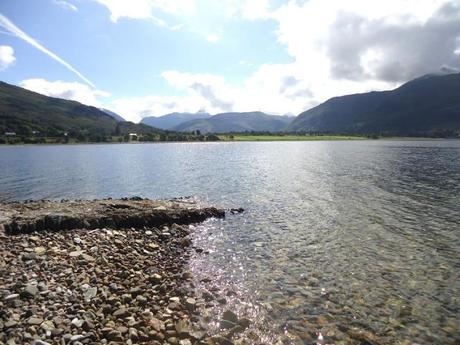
(150, 57)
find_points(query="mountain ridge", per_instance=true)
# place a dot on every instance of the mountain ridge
(171, 120)
(25, 112)
(427, 103)
(236, 122)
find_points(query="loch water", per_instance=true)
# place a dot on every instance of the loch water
(358, 240)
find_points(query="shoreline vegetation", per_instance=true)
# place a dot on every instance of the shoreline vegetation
(222, 137)
(106, 271)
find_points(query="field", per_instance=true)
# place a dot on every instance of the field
(243, 137)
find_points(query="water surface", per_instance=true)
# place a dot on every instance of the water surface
(357, 240)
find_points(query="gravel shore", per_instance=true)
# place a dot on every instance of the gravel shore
(102, 272)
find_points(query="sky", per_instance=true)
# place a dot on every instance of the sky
(143, 58)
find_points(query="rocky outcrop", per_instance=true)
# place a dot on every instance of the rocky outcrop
(23, 218)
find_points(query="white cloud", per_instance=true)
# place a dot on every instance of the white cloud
(12, 28)
(213, 38)
(366, 40)
(68, 90)
(6, 57)
(66, 5)
(147, 9)
(337, 47)
(255, 9)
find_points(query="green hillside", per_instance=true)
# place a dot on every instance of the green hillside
(28, 113)
(422, 106)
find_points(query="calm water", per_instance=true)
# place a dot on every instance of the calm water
(357, 240)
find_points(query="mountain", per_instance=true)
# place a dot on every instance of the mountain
(25, 112)
(117, 117)
(172, 120)
(236, 122)
(425, 104)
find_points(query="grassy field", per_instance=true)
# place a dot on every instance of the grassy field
(242, 137)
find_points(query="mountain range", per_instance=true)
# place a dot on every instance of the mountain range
(425, 104)
(236, 122)
(169, 121)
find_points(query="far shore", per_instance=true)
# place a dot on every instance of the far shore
(226, 138)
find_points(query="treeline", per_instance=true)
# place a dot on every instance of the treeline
(17, 131)
(435, 133)
(81, 137)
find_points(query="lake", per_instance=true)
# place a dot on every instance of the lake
(358, 240)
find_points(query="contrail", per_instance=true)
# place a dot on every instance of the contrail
(13, 29)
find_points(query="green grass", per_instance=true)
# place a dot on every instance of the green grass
(242, 137)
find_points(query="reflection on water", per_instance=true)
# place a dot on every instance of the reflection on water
(357, 240)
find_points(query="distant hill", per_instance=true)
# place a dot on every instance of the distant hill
(169, 121)
(426, 104)
(113, 115)
(236, 122)
(25, 112)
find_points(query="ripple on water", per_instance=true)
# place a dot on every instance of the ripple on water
(356, 241)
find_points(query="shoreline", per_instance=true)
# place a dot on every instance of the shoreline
(103, 271)
(234, 141)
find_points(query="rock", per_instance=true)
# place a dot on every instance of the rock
(40, 342)
(225, 324)
(121, 313)
(35, 320)
(87, 257)
(183, 328)
(221, 340)
(175, 299)
(133, 334)
(29, 256)
(155, 278)
(165, 236)
(40, 250)
(207, 296)
(153, 246)
(228, 315)
(47, 325)
(77, 322)
(10, 324)
(244, 322)
(75, 253)
(77, 240)
(156, 324)
(122, 329)
(190, 304)
(90, 293)
(185, 342)
(185, 241)
(30, 291)
(114, 336)
(11, 298)
(77, 337)
(141, 300)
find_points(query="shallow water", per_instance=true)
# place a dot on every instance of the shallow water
(357, 240)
